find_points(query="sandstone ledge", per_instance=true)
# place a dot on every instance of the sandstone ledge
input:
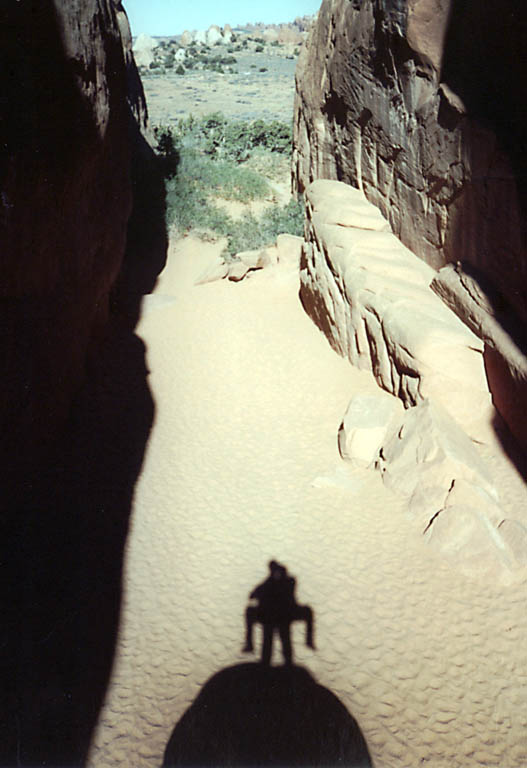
(372, 298)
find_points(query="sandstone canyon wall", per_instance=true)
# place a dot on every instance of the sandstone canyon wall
(65, 200)
(75, 408)
(419, 103)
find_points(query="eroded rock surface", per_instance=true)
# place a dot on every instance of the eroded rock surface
(371, 296)
(419, 104)
(71, 443)
(66, 199)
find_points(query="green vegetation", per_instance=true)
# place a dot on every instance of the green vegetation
(213, 157)
(221, 138)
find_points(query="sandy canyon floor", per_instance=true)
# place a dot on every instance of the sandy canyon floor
(242, 466)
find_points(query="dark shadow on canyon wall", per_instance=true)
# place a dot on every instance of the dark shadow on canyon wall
(485, 63)
(253, 715)
(65, 514)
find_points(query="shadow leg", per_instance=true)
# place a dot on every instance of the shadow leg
(304, 613)
(250, 620)
(285, 637)
(267, 647)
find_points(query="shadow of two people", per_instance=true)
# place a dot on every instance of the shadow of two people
(256, 715)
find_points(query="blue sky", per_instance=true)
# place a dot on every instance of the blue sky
(171, 17)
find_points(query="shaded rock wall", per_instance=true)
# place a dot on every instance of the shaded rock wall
(81, 206)
(420, 103)
(65, 199)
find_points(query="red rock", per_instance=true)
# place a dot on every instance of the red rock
(420, 105)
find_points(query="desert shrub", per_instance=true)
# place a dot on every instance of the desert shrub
(275, 43)
(167, 150)
(180, 69)
(259, 49)
(262, 69)
(197, 156)
(251, 232)
(189, 190)
(221, 138)
(170, 59)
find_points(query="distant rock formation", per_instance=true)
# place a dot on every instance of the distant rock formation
(143, 49)
(212, 36)
(69, 90)
(420, 105)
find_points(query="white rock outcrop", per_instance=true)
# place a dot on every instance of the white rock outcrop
(365, 426)
(371, 297)
(214, 35)
(143, 49)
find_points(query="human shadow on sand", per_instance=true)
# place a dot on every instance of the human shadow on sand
(255, 715)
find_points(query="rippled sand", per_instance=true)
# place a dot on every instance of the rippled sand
(242, 466)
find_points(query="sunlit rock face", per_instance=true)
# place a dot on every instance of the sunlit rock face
(65, 197)
(419, 103)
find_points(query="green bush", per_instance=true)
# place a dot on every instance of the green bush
(262, 69)
(197, 154)
(251, 232)
(259, 49)
(219, 137)
(180, 69)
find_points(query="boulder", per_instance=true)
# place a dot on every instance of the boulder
(467, 531)
(237, 270)
(214, 35)
(143, 49)
(180, 55)
(289, 249)
(428, 448)
(256, 259)
(201, 37)
(187, 38)
(367, 421)
(451, 498)
(217, 270)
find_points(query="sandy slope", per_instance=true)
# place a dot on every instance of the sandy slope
(242, 466)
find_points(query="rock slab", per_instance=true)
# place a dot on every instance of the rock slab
(371, 297)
